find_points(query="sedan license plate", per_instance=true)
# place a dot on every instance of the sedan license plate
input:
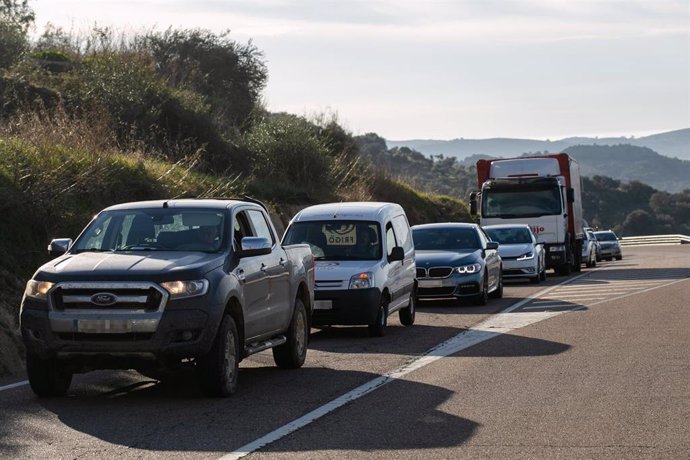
(430, 283)
(323, 305)
(104, 326)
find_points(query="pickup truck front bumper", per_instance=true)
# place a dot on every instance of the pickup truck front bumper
(117, 341)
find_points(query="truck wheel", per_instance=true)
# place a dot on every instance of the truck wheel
(219, 368)
(292, 353)
(408, 313)
(378, 327)
(46, 376)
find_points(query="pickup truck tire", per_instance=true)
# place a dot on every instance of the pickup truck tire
(378, 327)
(219, 368)
(407, 314)
(292, 353)
(46, 376)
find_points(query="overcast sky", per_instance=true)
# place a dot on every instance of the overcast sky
(446, 69)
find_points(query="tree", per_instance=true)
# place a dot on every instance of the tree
(15, 19)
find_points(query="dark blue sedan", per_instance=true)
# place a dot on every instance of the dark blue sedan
(456, 261)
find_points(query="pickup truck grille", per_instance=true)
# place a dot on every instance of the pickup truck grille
(112, 296)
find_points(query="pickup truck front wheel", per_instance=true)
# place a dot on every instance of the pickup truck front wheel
(46, 376)
(219, 368)
(292, 353)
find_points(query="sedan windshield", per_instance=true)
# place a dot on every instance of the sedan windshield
(159, 229)
(606, 236)
(516, 235)
(445, 239)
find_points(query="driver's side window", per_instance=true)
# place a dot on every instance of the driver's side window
(241, 228)
(390, 239)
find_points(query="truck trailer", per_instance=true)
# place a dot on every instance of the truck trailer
(543, 192)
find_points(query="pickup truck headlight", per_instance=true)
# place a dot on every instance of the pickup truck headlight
(473, 268)
(559, 248)
(362, 280)
(38, 289)
(526, 256)
(185, 289)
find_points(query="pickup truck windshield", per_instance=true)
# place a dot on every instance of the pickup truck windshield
(158, 229)
(514, 203)
(338, 240)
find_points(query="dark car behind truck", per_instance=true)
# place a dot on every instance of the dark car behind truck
(160, 285)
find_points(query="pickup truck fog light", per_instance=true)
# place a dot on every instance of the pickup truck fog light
(38, 289)
(185, 289)
(361, 281)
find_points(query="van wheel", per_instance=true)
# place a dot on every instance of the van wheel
(219, 368)
(292, 353)
(408, 313)
(378, 327)
(46, 376)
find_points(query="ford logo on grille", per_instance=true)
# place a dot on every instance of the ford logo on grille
(104, 299)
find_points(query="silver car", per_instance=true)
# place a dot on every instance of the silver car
(610, 248)
(589, 250)
(522, 255)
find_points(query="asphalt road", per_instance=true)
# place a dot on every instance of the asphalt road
(596, 365)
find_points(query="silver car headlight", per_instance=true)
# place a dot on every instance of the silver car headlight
(526, 256)
(185, 289)
(473, 268)
(38, 289)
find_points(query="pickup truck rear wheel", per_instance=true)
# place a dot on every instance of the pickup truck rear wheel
(292, 353)
(46, 376)
(219, 368)
(378, 327)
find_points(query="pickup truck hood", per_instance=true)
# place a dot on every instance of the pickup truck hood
(150, 266)
(446, 258)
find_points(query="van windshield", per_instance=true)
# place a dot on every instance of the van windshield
(338, 240)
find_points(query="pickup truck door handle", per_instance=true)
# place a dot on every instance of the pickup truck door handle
(240, 275)
(263, 268)
(282, 262)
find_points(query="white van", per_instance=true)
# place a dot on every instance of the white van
(365, 262)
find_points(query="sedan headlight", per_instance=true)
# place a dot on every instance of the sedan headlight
(362, 280)
(185, 289)
(526, 256)
(38, 289)
(473, 268)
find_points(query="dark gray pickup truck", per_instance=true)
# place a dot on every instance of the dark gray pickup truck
(162, 285)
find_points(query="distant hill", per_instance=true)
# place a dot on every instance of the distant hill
(670, 144)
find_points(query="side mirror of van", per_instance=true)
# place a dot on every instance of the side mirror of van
(397, 253)
(59, 246)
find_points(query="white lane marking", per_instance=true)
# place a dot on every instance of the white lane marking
(497, 324)
(554, 305)
(639, 292)
(14, 385)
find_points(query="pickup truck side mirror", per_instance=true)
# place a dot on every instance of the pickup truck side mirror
(397, 253)
(59, 246)
(254, 246)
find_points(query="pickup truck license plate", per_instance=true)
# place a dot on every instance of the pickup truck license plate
(323, 305)
(430, 283)
(104, 326)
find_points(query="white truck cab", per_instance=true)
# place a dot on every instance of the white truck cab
(365, 262)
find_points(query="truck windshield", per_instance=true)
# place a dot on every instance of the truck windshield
(338, 240)
(158, 229)
(510, 203)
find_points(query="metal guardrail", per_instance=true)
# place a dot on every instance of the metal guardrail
(654, 240)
